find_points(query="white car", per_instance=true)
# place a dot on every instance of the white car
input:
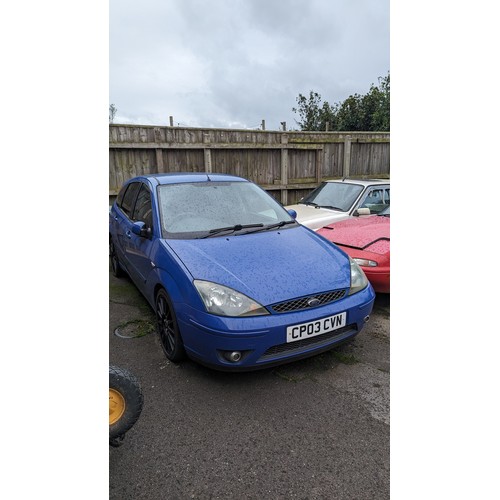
(336, 200)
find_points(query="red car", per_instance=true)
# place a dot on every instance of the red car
(367, 240)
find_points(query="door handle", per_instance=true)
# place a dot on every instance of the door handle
(116, 217)
(128, 234)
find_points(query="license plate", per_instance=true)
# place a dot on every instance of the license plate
(314, 328)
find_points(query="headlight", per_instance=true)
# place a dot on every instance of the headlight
(365, 262)
(225, 301)
(358, 278)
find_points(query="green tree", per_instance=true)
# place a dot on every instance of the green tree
(369, 112)
(313, 114)
(351, 114)
(381, 117)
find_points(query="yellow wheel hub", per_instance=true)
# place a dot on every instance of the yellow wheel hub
(116, 406)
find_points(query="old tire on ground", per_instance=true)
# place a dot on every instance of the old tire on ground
(116, 268)
(168, 331)
(125, 401)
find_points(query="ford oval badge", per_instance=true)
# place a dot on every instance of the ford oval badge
(313, 302)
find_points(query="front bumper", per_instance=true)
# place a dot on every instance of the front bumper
(262, 339)
(379, 277)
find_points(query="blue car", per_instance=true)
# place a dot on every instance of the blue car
(235, 282)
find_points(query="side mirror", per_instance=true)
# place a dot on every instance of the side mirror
(292, 212)
(361, 211)
(141, 229)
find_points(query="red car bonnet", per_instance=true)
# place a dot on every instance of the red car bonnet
(360, 232)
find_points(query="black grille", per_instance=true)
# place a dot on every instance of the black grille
(299, 304)
(318, 341)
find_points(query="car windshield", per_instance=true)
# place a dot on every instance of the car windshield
(334, 195)
(210, 209)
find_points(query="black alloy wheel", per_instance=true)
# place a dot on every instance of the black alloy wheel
(168, 330)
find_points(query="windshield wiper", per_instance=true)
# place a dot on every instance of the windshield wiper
(237, 227)
(272, 226)
(308, 203)
(333, 208)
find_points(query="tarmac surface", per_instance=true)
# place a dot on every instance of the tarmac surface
(313, 429)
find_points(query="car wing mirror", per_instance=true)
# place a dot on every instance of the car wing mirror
(362, 211)
(141, 229)
(292, 213)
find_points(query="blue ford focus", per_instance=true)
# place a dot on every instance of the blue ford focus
(235, 282)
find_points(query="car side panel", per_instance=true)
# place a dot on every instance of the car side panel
(171, 274)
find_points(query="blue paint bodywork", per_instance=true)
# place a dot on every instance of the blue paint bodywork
(270, 267)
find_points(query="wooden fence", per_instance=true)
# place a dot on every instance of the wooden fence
(286, 164)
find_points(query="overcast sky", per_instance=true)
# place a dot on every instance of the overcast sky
(233, 63)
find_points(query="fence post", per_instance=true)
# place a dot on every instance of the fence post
(159, 160)
(319, 164)
(207, 153)
(347, 156)
(171, 121)
(284, 170)
(208, 160)
(263, 124)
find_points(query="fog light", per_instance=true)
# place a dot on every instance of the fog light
(233, 356)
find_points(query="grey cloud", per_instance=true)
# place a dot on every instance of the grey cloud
(229, 62)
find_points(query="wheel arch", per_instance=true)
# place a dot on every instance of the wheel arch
(177, 292)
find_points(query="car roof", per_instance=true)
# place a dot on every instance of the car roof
(180, 177)
(364, 182)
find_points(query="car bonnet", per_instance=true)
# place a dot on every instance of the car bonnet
(315, 218)
(359, 232)
(270, 266)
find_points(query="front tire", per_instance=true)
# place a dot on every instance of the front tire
(125, 402)
(168, 331)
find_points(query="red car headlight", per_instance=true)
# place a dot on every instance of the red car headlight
(365, 262)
